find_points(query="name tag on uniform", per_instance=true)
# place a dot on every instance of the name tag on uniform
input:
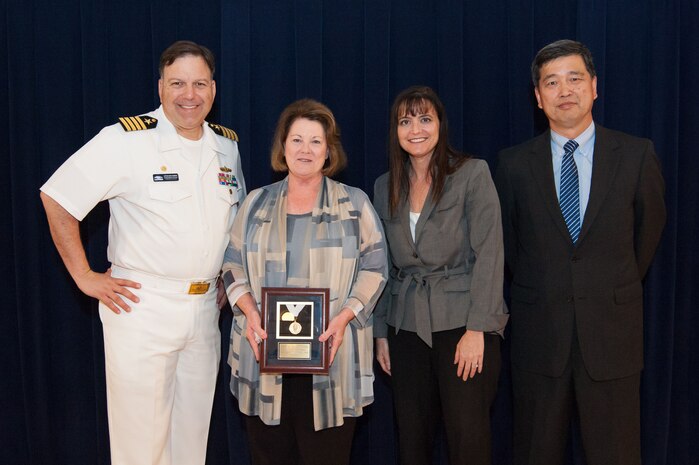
(166, 177)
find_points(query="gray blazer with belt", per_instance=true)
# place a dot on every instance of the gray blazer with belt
(451, 275)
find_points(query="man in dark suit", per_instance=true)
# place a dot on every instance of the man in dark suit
(583, 212)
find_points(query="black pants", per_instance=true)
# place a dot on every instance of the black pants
(609, 413)
(294, 440)
(426, 391)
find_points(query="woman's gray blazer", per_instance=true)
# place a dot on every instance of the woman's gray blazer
(451, 275)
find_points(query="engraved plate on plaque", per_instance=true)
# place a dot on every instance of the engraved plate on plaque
(294, 351)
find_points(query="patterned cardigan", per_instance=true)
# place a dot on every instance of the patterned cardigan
(347, 255)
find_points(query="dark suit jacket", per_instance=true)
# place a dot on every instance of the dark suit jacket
(593, 287)
(451, 274)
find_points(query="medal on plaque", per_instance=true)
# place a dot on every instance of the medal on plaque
(294, 318)
(290, 312)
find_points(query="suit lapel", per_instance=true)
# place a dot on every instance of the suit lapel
(542, 171)
(404, 214)
(605, 163)
(426, 211)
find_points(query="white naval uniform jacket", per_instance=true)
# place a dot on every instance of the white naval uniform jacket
(169, 216)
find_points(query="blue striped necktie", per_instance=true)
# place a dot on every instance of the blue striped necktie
(569, 197)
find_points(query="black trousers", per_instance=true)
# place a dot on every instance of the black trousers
(426, 391)
(294, 440)
(609, 413)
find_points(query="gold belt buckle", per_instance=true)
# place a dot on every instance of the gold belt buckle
(198, 288)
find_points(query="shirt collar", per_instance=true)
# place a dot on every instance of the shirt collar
(586, 142)
(169, 139)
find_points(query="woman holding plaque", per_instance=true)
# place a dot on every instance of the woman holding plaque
(439, 323)
(306, 231)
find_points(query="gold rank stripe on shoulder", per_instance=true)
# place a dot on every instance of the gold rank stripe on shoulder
(224, 131)
(137, 123)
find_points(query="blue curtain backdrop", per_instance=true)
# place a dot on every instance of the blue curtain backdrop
(71, 67)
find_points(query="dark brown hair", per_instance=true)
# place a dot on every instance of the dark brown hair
(314, 111)
(445, 160)
(183, 48)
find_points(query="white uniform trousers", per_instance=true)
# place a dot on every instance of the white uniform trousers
(161, 366)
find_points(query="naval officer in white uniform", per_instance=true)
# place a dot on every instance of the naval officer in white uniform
(174, 183)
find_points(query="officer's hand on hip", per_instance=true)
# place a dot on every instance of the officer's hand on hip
(108, 290)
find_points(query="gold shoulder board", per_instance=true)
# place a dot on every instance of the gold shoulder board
(224, 131)
(137, 123)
